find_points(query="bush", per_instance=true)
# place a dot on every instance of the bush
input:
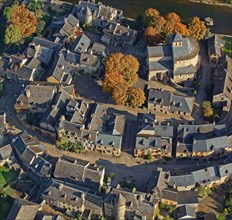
(64, 144)
(203, 191)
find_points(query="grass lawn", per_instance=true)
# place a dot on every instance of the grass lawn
(228, 46)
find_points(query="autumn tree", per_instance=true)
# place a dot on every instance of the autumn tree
(120, 74)
(207, 109)
(120, 68)
(24, 20)
(197, 28)
(120, 94)
(12, 35)
(153, 18)
(152, 36)
(136, 97)
(174, 25)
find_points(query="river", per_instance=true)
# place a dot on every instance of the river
(222, 15)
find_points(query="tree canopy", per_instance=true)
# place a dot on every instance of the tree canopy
(24, 20)
(197, 28)
(153, 18)
(152, 36)
(207, 109)
(157, 26)
(34, 5)
(12, 35)
(120, 74)
(120, 68)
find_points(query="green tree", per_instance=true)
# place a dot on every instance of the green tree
(34, 5)
(7, 12)
(12, 35)
(149, 155)
(40, 27)
(203, 191)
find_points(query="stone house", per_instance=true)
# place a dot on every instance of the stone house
(81, 172)
(92, 13)
(185, 212)
(117, 35)
(152, 138)
(177, 60)
(89, 63)
(202, 141)
(126, 204)
(166, 102)
(36, 98)
(73, 198)
(179, 198)
(23, 209)
(222, 93)
(215, 49)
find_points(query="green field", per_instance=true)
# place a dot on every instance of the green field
(228, 46)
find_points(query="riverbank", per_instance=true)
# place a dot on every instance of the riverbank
(211, 3)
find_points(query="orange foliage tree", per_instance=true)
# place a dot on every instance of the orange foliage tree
(173, 25)
(24, 20)
(136, 97)
(120, 94)
(120, 68)
(197, 28)
(152, 36)
(120, 74)
(153, 18)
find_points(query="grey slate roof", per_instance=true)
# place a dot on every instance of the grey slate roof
(206, 175)
(187, 198)
(225, 170)
(185, 211)
(23, 209)
(180, 181)
(79, 171)
(5, 152)
(210, 144)
(175, 103)
(81, 44)
(90, 60)
(159, 51)
(215, 45)
(108, 140)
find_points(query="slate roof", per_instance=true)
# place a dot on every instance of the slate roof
(187, 198)
(89, 60)
(182, 104)
(159, 51)
(225, 170)
(37, 95)
(182, 180)
(108, 140)
(210, 144)
(42, 167)
(62, 70)
(160, 65)
(79, 171)
(170, 194)
(185, 211)
(138, 203)
(156, 181)
(81, 44)
(23, 209)
(188, 50)
(5, 152)
(215, 45)
(186, 133)
(74, 195)
(99, 49)
(224, 79)
(206, 175)
(175, 103)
